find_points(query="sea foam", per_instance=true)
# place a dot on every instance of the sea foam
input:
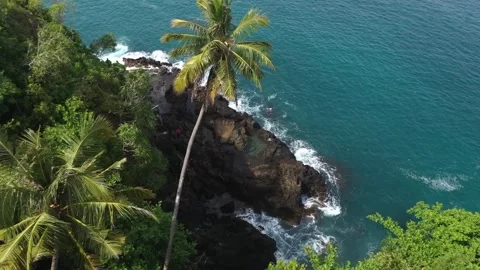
(292, 240)
(302, 151)
(443, 182)
(122, 51)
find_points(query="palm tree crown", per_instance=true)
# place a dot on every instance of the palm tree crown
(57, 202)
(219, 44)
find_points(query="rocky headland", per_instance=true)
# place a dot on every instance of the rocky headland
(235, 163)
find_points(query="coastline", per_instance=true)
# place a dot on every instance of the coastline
(237, 165)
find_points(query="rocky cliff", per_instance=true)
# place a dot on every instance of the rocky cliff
(234, 163)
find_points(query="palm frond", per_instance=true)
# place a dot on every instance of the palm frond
(34, 153)
(84, 144)
(22, 239)
(87, 261)
(191, 44)
(99, 241)
(186, 39)
(18, 201)
(250, 23)
(197, 28)
(117, 165)
(214, 87)
(97, 213)
(138, 193)
(194, 68)
(248, 68)
(84, 188)
(7, 156)
(257, 52)
(186, 50)
(206, 9)
(226, 75)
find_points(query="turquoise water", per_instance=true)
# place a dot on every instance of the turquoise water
(387, 92)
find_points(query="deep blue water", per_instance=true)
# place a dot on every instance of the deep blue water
(387, 92)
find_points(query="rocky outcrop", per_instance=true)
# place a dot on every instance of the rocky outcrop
(233, 154)
(234, 163)
(145, 62)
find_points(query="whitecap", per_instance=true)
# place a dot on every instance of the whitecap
(443, 182)
(122, 51)
(272, 96)
(302, 151)
(290, 241)
(116, 55)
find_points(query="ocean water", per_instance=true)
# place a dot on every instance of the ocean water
(382, 95)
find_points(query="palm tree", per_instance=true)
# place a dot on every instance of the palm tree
(218, 51)
(56, 203)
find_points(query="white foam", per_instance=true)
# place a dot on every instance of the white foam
(306, 154)
(272, 96)
(443, 182)
(290, 241)
(302, 151)
(115, 56)
(122, 51)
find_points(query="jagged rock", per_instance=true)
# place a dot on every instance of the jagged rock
(145, 62)
(246, 161)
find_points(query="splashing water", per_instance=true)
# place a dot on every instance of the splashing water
(122, 51)
(291, 241)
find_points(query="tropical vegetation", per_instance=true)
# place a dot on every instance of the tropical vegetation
(218, 51)
(79, 173)
(78, 170)
(435, 239)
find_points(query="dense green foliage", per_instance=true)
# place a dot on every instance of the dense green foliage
(56, 201)
(435, 239)
(75, 150)
(143, 236)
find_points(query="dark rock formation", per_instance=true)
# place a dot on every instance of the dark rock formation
(145, 62)
(233, 159)
(233, 244)
(233, 154)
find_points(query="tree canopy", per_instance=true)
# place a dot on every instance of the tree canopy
(435, 238)
(76, 152)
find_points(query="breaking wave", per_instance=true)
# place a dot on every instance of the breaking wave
(122, 51)
(292, 240)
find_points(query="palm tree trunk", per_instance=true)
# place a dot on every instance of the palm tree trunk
(55, 258)
(180, 186)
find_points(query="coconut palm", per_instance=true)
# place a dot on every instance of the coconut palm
(55, 203)
(218, 50)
